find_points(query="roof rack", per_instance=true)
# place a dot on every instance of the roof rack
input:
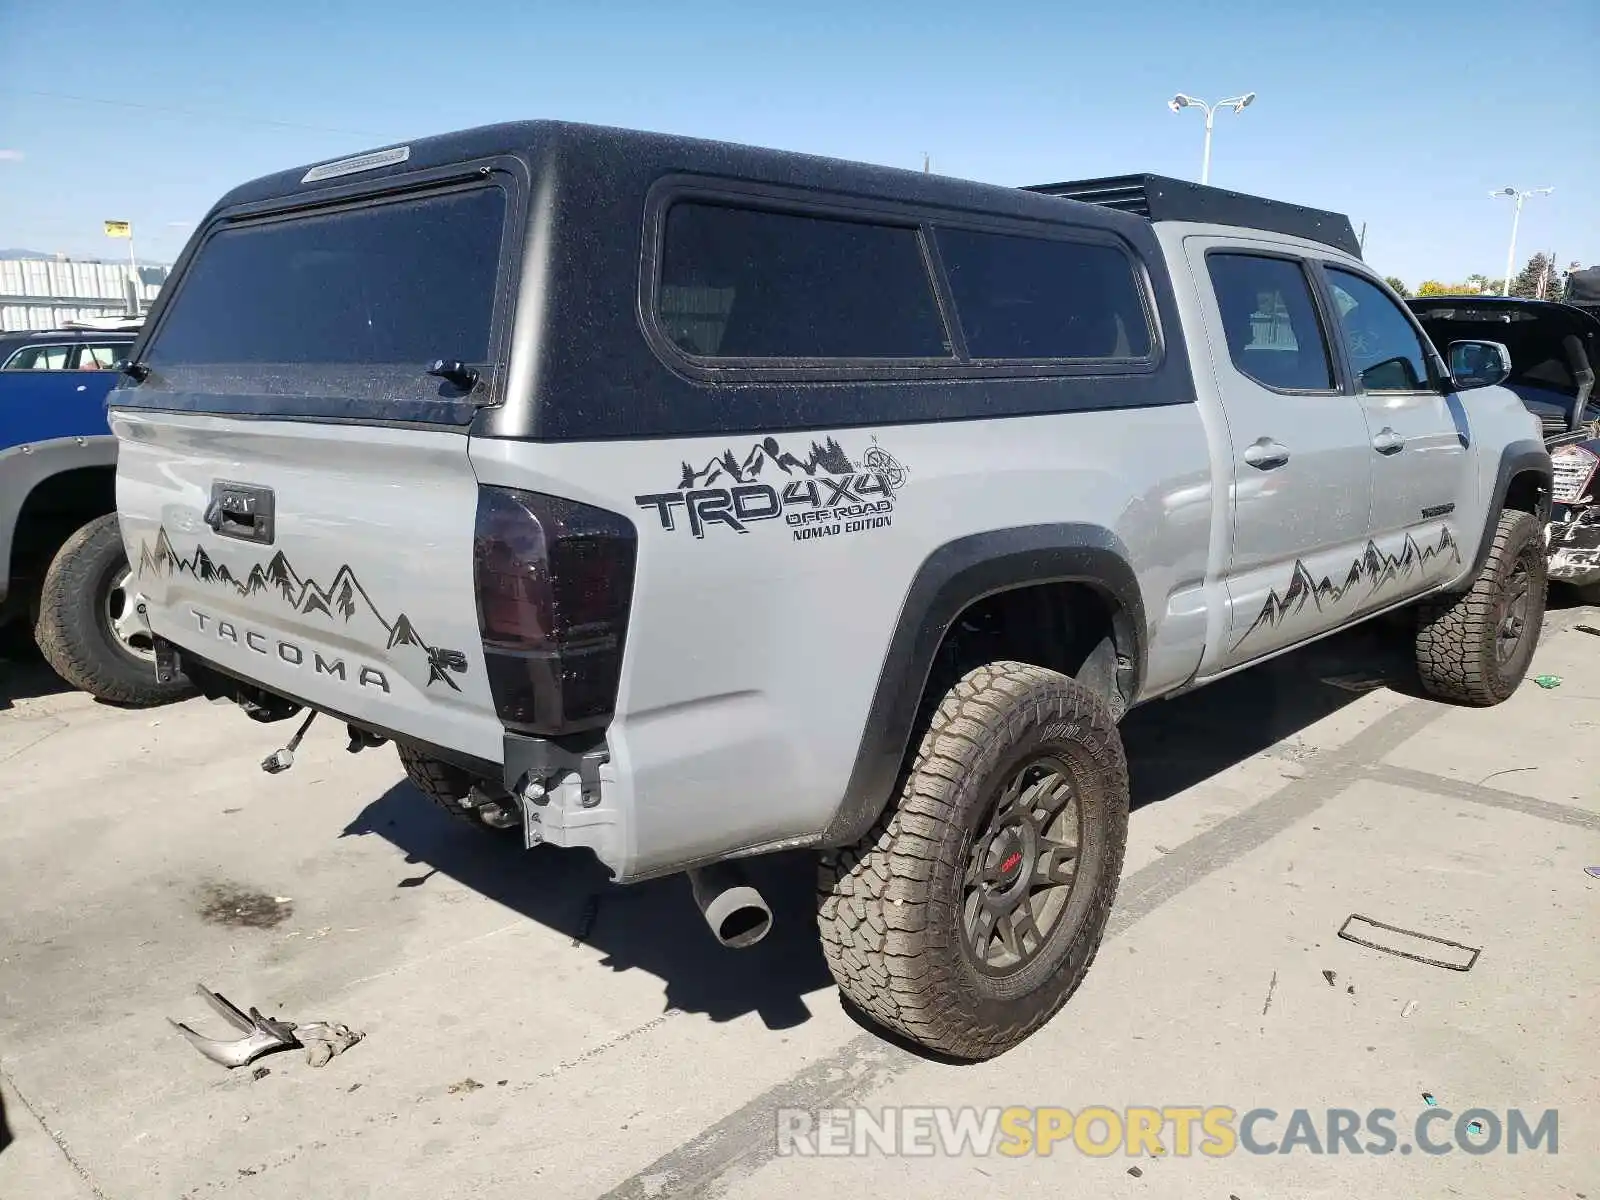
(1158, 198)
(106, 324)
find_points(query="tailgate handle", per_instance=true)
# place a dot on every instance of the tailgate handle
(242, 511)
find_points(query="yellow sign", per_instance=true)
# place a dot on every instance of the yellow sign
(119, 229)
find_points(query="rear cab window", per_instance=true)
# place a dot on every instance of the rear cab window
(343, 304)
(1270, 321)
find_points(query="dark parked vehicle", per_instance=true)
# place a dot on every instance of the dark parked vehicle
(1554, 348)
(63, 569)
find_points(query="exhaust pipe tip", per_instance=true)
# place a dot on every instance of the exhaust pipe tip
(737, 914)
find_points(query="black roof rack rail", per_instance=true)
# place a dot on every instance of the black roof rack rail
(1158, 198)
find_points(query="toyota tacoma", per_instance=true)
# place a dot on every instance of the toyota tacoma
(684, 501)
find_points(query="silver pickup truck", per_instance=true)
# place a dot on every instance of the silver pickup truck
(684, 501)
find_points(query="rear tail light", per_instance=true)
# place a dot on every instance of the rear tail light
(554, 582)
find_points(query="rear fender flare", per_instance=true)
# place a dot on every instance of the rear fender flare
(952, 578)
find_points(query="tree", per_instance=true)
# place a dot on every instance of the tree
(1475, 285)
(1395, 282)
(1532, 277)
(1557, 288)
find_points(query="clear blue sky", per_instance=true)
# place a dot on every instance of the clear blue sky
(1402, 115)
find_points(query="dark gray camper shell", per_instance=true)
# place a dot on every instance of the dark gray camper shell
(575, 353)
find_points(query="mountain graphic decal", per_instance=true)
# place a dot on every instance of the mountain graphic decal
(827, 458)
(343, 600)
(1373, 567)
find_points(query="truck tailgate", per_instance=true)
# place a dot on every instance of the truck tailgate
(353, 594)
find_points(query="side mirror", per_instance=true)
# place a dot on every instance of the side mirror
(1478, 364)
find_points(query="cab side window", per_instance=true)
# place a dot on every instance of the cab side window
(1273, 333)
(1384, 348)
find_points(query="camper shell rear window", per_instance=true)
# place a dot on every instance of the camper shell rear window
(335, 301)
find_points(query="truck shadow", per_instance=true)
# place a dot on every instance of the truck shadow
(1175, 744)
(651, 926)
(24, 675)
(654, 927)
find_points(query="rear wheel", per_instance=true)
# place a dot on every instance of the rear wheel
(1475, 648)
(90, 627)
(971, 912)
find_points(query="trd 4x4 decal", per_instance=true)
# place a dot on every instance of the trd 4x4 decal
(818, 494)
(344, 596)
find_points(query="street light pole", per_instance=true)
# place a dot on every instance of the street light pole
(1516, 219)
(1237, 103)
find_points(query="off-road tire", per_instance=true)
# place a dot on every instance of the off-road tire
(446, 784)
(1456, 636)
(72, 629)
(890, 908)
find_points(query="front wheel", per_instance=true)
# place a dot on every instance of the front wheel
(89, 628)
(1475, 648)
(972, 910)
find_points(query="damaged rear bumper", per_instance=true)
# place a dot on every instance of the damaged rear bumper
(1573, 536)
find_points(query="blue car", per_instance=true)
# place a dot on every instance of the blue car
(63, 569)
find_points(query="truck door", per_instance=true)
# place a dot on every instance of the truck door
(1418, 432)
(1301, 469)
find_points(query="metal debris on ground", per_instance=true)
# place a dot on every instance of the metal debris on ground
(1595, 871)
(324, 1039)
(1135, 1172)
(260, 1073)
(469, 1084)
(1411, 1007)
(1360, 681)
(1507, 771)
(1548, 681)
(1330, 976)
(1370, 933)
(321, 1040)
(1587, 629)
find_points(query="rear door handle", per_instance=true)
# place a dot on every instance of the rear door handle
(245, 511)
(1266, 455)
(1388, 441)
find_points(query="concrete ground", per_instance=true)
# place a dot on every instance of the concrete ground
(534, 1031)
